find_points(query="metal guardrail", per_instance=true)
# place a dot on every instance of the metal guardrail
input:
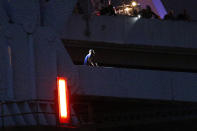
(27, 112)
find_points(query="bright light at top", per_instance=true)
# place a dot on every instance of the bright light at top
(126, 9)
(134, 3)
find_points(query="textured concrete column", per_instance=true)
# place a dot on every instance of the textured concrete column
(6, 77)
(32, 68)
(57, 13)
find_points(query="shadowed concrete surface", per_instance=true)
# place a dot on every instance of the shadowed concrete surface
(148, 97)
(134, 56)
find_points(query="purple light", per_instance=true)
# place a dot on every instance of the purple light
(160, 8)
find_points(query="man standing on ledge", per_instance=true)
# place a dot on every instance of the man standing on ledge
(90, 58)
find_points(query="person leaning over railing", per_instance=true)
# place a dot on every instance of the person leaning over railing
(148, 13)
(90, 58)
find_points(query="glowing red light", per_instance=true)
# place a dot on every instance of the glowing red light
(63, 101)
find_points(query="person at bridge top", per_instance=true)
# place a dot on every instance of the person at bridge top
(90, 58)
(184, 16)
(170, 15)
(148, 13)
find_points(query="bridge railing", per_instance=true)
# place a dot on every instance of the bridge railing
(27, 113)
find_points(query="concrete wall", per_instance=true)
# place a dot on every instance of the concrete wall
(33, 13)
(56, 13)
(129, 30)
(23, 70)
(3, 14)
(36, 61)
(51, 60)
(6, 81)
(142, 84)
(23, 12)
(37, 55)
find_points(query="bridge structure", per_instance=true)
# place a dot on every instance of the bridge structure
(146, 80)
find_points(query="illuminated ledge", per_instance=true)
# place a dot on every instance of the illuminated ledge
(137, 84)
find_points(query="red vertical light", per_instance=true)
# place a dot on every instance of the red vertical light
(63, 100)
